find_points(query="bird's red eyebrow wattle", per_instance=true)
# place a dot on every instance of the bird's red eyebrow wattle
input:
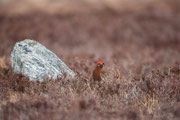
(100, 62)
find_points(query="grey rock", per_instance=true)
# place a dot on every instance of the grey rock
(32, 59)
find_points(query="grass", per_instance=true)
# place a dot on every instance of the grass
(141, 55)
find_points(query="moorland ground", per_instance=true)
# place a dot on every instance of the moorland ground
(140, 49)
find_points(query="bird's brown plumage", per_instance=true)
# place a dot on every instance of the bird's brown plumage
(97, 71)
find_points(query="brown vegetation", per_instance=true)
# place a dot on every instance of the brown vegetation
(141, 51)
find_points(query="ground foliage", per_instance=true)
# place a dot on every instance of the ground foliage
(142, 61)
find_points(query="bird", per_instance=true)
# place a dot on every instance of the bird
(97, 71)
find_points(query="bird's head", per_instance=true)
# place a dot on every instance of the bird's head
(100, 64)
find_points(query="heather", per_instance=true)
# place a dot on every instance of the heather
(140, 50)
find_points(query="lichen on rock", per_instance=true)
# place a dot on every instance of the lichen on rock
(32, 59)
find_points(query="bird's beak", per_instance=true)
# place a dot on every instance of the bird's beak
(103, 65)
